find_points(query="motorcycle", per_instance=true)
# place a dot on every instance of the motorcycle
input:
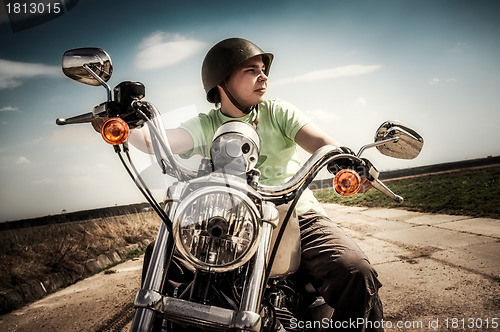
(239, 238)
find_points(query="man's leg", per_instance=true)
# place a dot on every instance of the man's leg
(340, 271)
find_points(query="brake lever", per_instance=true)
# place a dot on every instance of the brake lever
(380, 186)
(97, 111)
(83, 118)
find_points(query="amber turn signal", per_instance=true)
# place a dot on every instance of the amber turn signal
(115, 131)
(347, 182)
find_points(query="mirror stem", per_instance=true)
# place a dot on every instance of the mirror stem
(104, 84)
(372, 145)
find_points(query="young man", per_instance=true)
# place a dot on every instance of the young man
(235, 77)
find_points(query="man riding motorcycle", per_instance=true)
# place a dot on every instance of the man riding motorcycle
(235, 78)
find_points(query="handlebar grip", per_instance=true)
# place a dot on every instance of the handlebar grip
(82, 118)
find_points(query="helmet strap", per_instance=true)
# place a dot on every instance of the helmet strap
(233, 100)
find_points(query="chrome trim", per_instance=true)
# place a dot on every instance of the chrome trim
(188, 313)
(408, 145)
(157, 131)
(79, 62)
(372, 145)
(186, 201)
(226, 180)
(254, 281)
(155, 275)
(310, 169)
(380, 186)
(240, 127)
(270, 214)
(100, 80)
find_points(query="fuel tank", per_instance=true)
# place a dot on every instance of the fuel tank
(287, 259)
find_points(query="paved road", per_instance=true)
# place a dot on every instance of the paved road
(439, 273)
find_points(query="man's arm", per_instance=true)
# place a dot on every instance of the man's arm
(311, 138)
(179, 139)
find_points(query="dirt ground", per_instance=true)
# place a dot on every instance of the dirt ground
(439, 273)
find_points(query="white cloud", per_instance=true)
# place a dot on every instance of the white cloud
(434, 81)
(9, 109)
(162, 49)
(12, 73)
(22, 161)
(361, 101)
(351, 70)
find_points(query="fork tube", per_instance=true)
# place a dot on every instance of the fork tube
(160, 259)
(253, 289)
(144, 318)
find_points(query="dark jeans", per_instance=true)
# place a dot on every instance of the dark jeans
(340, 272)
(337, 268)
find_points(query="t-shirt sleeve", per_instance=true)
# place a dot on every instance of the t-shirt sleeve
(289, 118)
(196, 128)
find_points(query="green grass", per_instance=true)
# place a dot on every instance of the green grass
(469, 192)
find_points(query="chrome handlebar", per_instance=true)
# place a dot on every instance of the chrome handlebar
(165, 157)
(309, 170)
(322, 157)
(319, 159)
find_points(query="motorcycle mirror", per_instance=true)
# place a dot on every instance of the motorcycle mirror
(90, 66)
(402, 141)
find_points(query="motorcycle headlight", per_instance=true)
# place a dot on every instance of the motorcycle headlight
(217, 228)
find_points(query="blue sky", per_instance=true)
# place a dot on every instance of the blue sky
(349, 65)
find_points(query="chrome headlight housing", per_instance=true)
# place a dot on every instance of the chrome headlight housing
(217, 228)
(235, 147)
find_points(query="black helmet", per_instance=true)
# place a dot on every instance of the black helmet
(223, 57)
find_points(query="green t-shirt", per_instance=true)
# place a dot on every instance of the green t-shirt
(278, 124)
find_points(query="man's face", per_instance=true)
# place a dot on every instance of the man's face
(248, 82)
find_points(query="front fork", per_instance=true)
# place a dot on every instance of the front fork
(161, 257)
(255, 278)
(256, 274)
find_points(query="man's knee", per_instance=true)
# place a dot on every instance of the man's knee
(358, 267)
(351, 273)
(367, 276)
